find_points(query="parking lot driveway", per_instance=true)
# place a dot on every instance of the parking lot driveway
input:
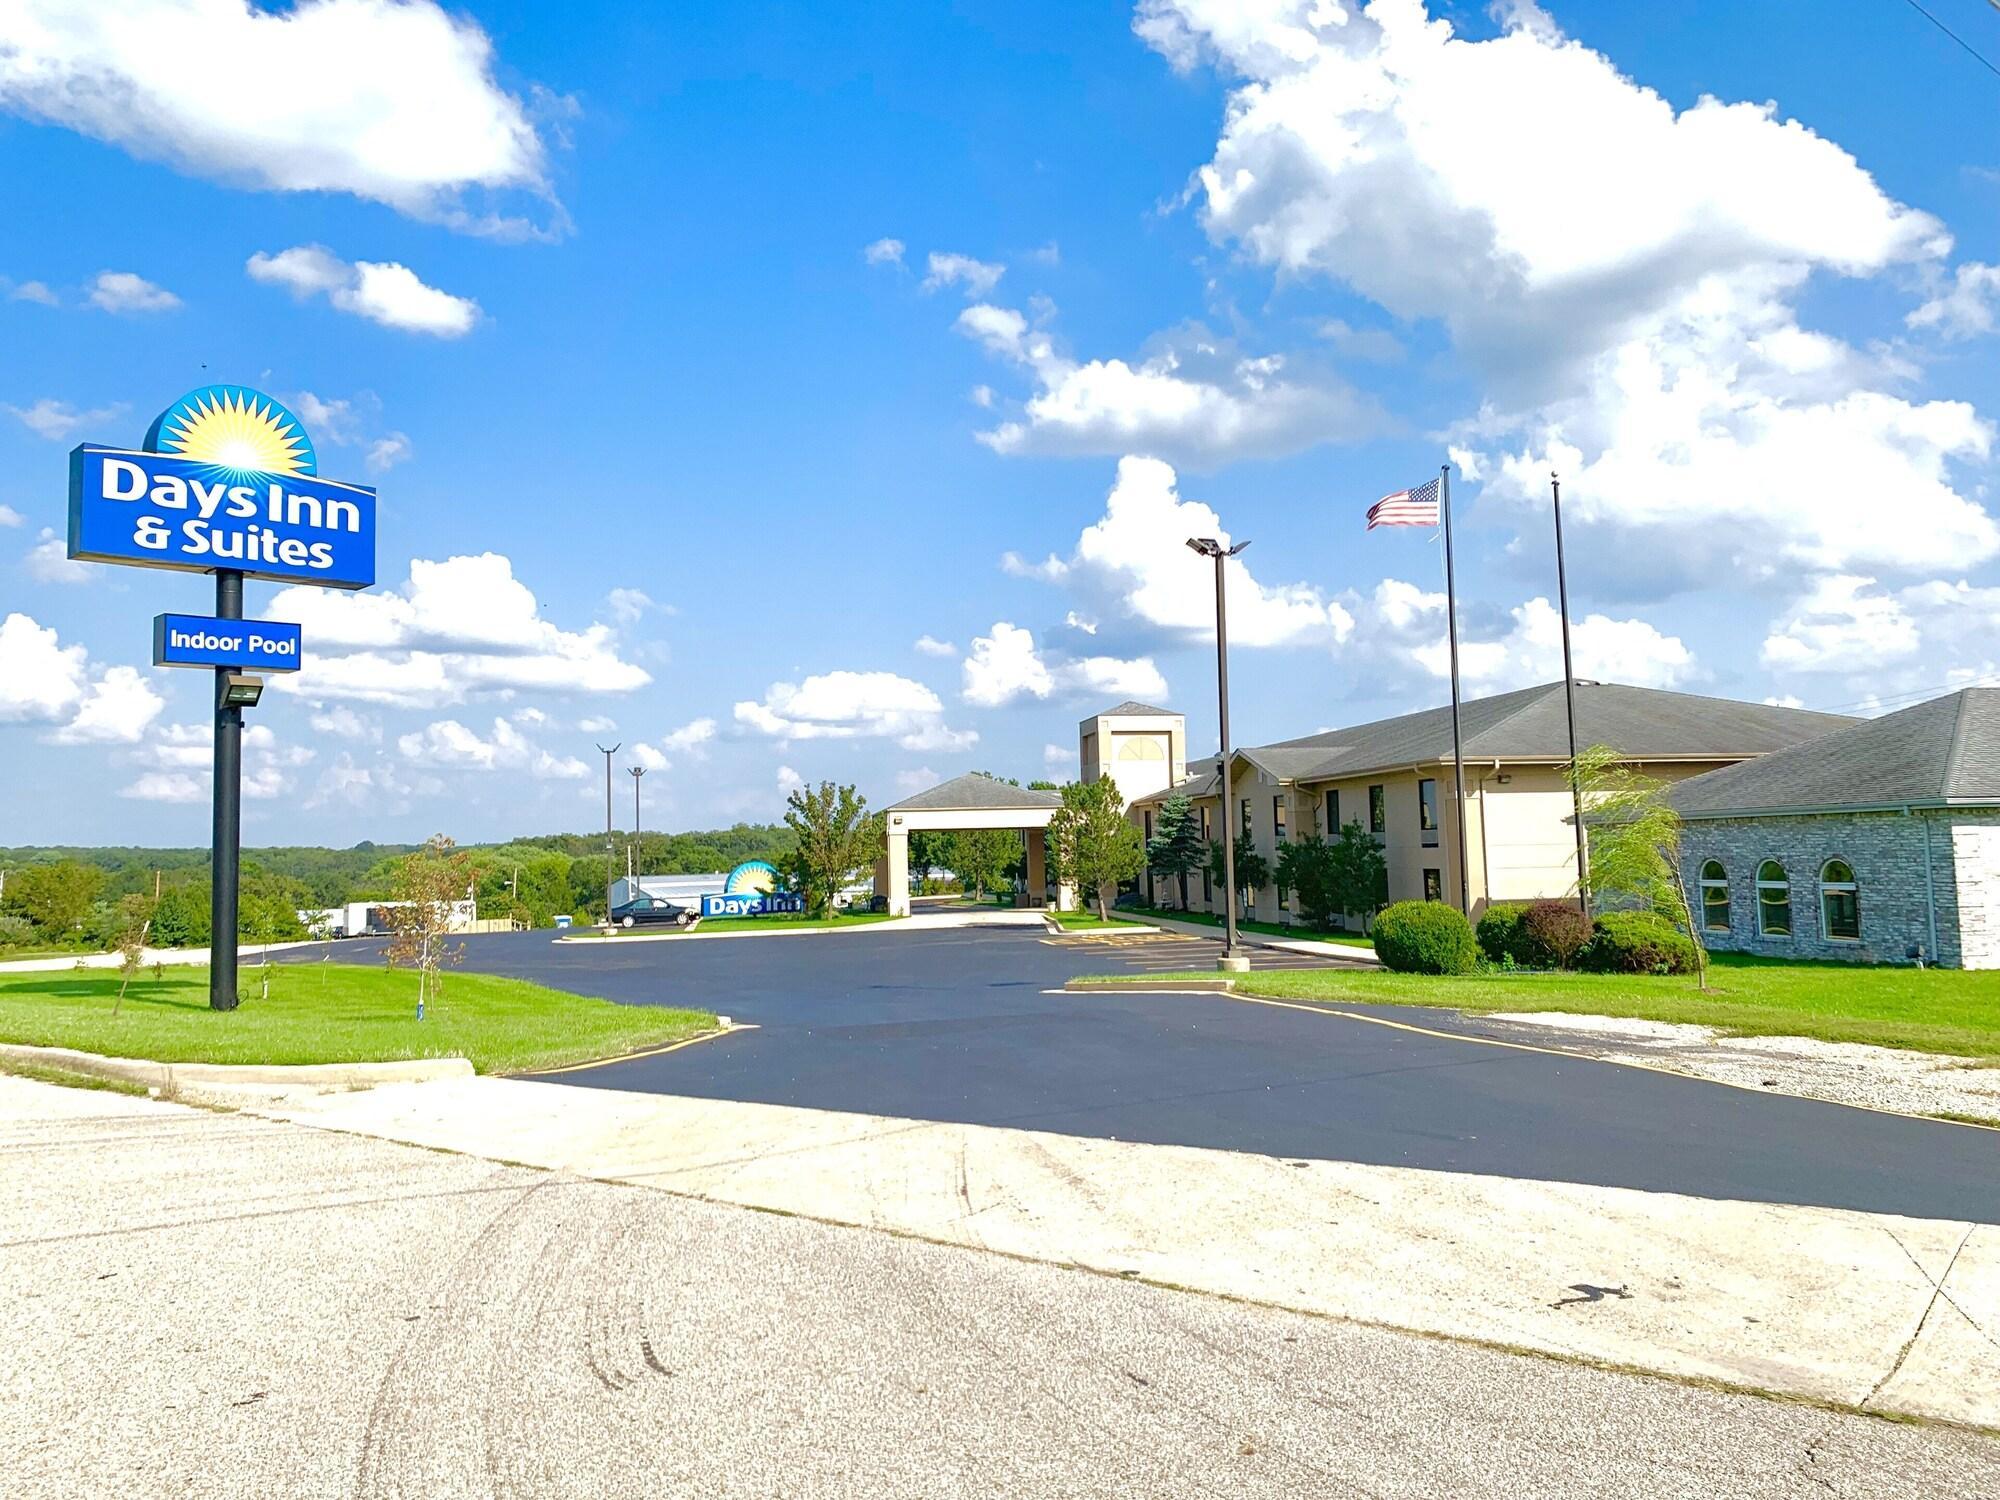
(969, 1025)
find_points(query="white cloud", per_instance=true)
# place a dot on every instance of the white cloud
(1840, 627)
(691, 738)
(384, 292)
(648, 757)
(1637, 330)
(1375, 345)
(396, 103)
(1405, 624)
(179, 758)
(48, 561)
(1134, 563)
(1059, 757)
(385, 452)
(11, 517)
(1193, 397)
(884, 252)
(977, 277)
(45, 682)
(456, 628)
(1966, 307)
(930, 645)
(125, 292)
(166, 786)
(789, 781)
(916, 779)
(1005, 665)
(1074, 621)
(32, 291)
(449, 745)
(596, 725)
(854, 705)
(58, 420)
(114, 711)
(344, 723)
(629, 606)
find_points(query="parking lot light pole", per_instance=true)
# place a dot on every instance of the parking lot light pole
(1233, 957)
(638, 850)
(610, 841)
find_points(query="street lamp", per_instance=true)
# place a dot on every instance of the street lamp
(638, 851)
(610, 843)
(1232, 956)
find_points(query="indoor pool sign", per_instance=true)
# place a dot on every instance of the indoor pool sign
(226, 481)
(751, 890)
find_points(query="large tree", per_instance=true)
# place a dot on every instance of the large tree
(982, 858)
(1091, 843)
(55, 897)
(1253, 871)
(835, 839)
(1177, 847)
(1360, 872)
(1306, 868)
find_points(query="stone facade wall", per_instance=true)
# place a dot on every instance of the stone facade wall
(1885, 849)
(1975, 864)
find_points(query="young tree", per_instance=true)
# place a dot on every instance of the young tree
(1634, 840)
(1091, 843)
(1253, 871)
(836, 838)
(428, 885)
(982, 858)
(1177, 847)
(136, 920)
(1306, 867)
(1360, 873)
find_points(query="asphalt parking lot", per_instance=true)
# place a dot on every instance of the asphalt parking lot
(969, 1025)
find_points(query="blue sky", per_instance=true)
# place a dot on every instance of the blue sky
(685, 439)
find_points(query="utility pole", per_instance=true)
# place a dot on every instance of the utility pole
(1569, 702)
(1232, 957)
(610, 842)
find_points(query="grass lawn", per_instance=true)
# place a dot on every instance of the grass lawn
(1929, 1010)
(321, 1013)
(794, 922)
(1272, 929)
(1083, 921)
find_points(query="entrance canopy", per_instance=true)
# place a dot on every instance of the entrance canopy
(964, 802)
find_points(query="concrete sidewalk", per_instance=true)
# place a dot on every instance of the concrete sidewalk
(1864, 1311)
(1337, 953)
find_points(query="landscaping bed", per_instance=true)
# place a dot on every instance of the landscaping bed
(331, 1013)
(1268, 929)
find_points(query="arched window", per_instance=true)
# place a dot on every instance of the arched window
(1714, 897)
(1774, 900)
(1839, 902)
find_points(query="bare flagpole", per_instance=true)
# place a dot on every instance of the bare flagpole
(1569, 701)
(1457, 743)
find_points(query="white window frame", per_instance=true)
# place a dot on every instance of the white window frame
(1784, 885)
(1720, 883)
(1826, 887)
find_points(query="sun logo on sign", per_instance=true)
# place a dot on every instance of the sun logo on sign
(754, 877)
(233, 428)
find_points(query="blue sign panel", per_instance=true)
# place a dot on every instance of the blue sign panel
(166, 511)
(204, 641)
(752, 904)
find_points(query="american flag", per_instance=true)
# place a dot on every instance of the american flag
(1417, 507)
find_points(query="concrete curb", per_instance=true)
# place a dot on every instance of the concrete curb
(245, 1083)
(695, 934)
(169, 956)
(1123, 929)
(1339, 953)
(1089, 986)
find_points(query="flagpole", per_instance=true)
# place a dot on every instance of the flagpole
(1569, 701)
(1457, 743)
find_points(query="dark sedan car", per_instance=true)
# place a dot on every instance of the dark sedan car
(653, 911)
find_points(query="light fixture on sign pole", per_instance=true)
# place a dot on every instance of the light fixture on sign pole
(1232, 957)
(610, 842)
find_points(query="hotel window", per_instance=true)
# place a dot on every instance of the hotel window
(1278, 826)
(1434, 885)
(1840, 902)
(1247, 835)
(1333, 813)
(1378, 810)
(1427, 811)
(1774, 900)
(1714, 897)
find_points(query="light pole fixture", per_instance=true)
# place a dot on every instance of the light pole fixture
(1233, 957)
(636, 773)
(610, 843)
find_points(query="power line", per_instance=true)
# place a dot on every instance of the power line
(1964, 45)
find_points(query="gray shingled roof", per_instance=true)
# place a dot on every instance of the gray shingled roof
(1943, 751)
(1531, 724)
(979, 792)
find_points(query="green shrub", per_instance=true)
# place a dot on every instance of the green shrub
(1425, 937)
(1499, 931)
(1636, 942)
(1552, 934)
(15, 932)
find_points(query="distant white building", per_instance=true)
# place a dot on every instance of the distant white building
(371, 918)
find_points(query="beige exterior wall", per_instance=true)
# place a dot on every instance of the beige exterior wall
(1520, 842)
(1143, 754)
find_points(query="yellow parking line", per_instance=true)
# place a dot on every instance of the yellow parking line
(605, 1062)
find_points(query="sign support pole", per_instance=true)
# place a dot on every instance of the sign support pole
(225, 844)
